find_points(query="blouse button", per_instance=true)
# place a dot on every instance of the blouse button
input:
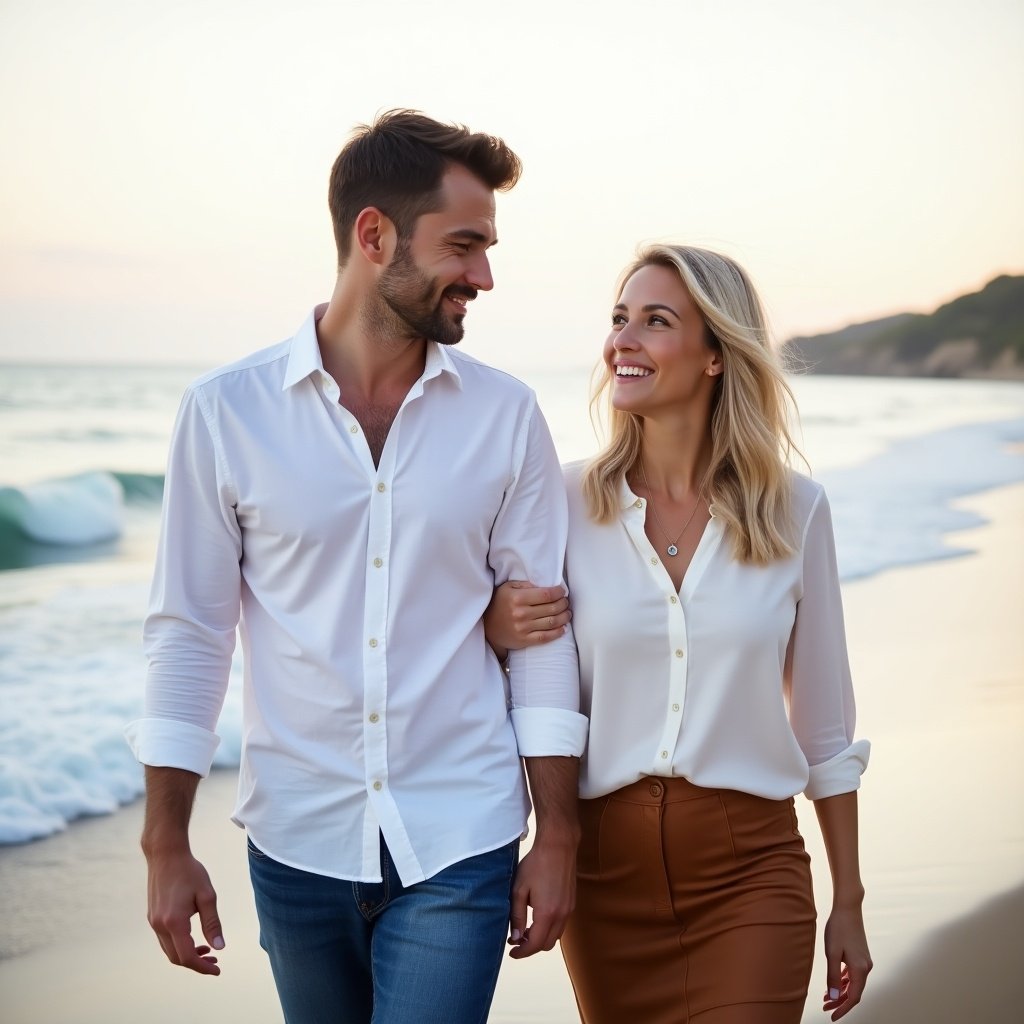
(655, 789)
(377, 563)
(638, 503)
(674, 599)
(675, 707)
(679, 652)
(374, 718)
(654, 561)
(381, 488)
(378, 786)
(664, 755)
(353, 429)
(373, 643)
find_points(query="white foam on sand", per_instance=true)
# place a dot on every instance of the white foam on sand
(71, 676)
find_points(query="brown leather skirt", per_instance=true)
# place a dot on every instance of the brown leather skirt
(692, 904)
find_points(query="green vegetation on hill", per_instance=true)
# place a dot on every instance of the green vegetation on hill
(977, 335)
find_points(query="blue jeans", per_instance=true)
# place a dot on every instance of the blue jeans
(347, 952)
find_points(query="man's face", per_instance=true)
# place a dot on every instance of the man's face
(441, 267)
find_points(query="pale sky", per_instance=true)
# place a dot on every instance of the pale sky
(164, 171)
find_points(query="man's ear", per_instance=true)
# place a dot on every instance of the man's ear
(374, 235)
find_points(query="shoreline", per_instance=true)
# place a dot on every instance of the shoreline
(938, 662)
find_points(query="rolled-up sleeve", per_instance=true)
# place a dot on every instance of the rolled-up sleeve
(528, 543)
(822, 710)
(189, 632)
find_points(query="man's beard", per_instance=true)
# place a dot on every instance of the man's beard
(413, 299)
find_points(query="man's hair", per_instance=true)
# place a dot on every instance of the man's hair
(396, 164)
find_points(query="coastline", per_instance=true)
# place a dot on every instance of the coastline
(938, 661)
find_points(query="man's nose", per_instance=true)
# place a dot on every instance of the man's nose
(479, 273)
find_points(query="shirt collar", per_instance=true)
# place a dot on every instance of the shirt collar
(304, 354)
(304, 357)
(439, 360)
(627, 499)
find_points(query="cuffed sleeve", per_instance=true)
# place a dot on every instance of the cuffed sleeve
(839, 774)
(822, 711)
(549, 732)
(164, 743)
(189, 632)
(528, 543)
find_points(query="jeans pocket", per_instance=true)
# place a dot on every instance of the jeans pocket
(254, 850)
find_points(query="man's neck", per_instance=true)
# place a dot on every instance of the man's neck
(370, 367)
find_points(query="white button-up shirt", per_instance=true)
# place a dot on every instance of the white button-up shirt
(740, 680)
(372, 703)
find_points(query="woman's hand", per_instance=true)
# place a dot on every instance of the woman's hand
(522, 615)
(847, 960)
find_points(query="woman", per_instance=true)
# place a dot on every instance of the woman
(713, 667)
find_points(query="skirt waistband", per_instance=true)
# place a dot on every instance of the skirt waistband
(660, 789)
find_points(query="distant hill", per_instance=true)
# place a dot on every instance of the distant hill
(977, 335)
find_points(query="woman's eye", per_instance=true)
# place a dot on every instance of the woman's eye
(618, 319)
(659, 321)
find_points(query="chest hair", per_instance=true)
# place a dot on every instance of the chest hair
(376, 422)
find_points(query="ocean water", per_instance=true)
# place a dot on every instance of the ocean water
(81, 460)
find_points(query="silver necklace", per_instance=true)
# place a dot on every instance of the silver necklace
(671, 550)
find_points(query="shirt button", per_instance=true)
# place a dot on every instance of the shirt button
(654, 561)
(638, 503)
(381, 488)
(674, 599)
(378, 786)
(375, 718)
(675, 707)
(664, 755)
(353, 429)
(377, 563)
(679, 652)
(373, 643)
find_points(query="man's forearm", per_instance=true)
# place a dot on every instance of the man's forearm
(554, 787)
(170, 794)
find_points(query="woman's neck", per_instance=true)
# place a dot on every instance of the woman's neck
(675, 457)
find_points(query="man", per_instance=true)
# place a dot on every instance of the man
(351, 497)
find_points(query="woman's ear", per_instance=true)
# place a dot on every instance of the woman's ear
(715, 365)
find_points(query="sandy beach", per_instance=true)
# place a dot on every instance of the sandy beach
(938, 657)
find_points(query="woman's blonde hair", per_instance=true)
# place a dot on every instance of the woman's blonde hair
(748, 479)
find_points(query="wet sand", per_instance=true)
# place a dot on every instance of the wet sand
(938, 656)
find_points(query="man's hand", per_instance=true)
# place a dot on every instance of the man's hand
(179, 887)
(545, 881)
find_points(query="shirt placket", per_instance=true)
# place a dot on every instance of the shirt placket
(675, 640)
(380, 481)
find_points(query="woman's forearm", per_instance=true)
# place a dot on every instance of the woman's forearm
(837, 817)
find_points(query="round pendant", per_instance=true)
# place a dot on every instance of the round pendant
(673, 550)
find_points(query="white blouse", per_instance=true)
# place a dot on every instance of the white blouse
(740, 680)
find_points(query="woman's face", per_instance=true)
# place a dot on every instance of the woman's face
(657, 351)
